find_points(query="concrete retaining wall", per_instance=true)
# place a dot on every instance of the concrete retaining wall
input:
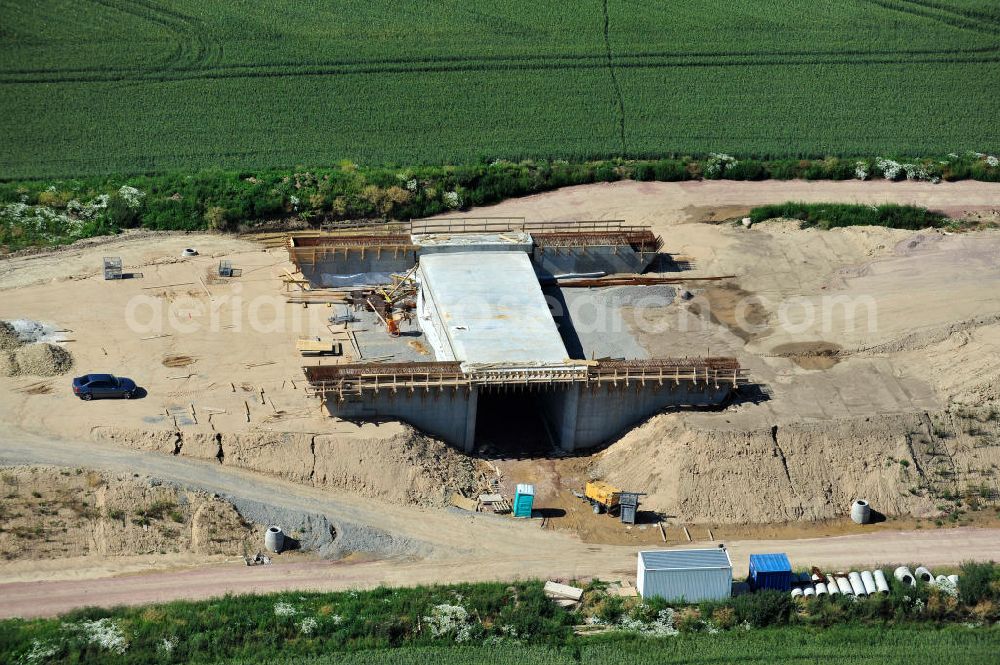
(551, 261)
(580, 417)
(449, 415)
(607, 412)
(356, 262)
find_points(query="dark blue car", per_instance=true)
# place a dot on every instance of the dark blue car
(100, 386)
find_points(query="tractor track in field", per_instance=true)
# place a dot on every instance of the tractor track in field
(489, 64)
(933, 11)
(614, 78)
(192, 47)
(195, 56)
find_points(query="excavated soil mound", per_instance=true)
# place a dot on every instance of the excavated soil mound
(406, 468)
(43, 360)
(53, 512)
(9, 340)
(803, 471)
(810, 355)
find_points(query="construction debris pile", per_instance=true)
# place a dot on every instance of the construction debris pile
(20, 357)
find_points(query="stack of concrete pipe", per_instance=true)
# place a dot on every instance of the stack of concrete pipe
(923, 574)
(860, 584)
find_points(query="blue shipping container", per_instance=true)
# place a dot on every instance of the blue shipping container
(770, 571)
(524, 499)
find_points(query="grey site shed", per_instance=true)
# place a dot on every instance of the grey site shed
(691, 575)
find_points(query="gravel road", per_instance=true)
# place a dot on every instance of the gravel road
(416, 546)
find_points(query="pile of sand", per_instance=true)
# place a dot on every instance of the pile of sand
(9, 339)
(40, 360)
(408, 468)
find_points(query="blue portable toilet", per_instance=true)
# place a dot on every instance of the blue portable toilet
(770, 571)
(524, 498)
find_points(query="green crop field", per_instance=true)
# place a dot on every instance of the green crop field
(124, 86)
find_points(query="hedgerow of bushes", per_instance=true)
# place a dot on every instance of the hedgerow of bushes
(51, 212)
(290, 624)
(834, 215)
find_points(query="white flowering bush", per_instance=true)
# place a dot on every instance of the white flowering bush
(105, 633)
(446, 620)
(411, 184)
(890, 168)
(284, 610)
(131, 196)
(662, 626)
(308, 625)
(167, 645)
(947, 587)
(893, 170)
(452, 199)
(44, 224)
(717, 164)
(861, 170)
(992, 161)
(39, 652)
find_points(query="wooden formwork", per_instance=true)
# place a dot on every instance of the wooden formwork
(356, 380)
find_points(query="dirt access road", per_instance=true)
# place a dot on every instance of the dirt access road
(31, 599)
(457, 546)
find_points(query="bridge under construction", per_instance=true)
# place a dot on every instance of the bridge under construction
(477, 294)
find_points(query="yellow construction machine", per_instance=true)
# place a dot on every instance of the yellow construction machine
(602, 496)
(606, 498)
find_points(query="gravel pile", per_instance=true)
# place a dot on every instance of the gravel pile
(315, 533)
(8, 364)
(43, 360)
(9, 339)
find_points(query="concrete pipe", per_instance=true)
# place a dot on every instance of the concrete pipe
(861, 512)
(881, 583)
(905, 576)
(857, 586)
(796, 592)
(844, 586)
(274, 539)
(869, 581)
(953, 579)
(924, 575)
(820, 589)
(809, 591)
(831, 585)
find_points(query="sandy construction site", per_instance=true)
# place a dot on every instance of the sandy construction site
(874, 357)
